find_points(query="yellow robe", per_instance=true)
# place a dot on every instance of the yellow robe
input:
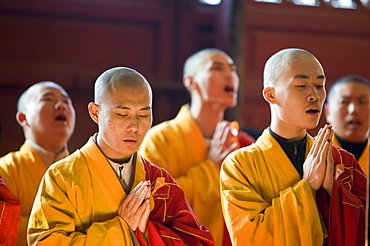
(178, 146)
(364, 157)
(265, 201)
(79, 197)
(22, 172)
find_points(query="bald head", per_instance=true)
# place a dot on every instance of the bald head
(194, 62)
(31, 92)
(279, 62)
(118, 76)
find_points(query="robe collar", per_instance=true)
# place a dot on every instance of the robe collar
(274, 154)
(295, 150)
(47, 156)
(105, 175)
(192, 133)
(355, 148)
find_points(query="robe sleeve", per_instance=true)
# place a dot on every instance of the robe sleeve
(344, 212)
(56, 221)
(291, 218)
(9, 217)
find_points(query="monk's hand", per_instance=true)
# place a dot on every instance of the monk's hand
(221, 144)
(133, 207)
(314, 167)
(329, 174)
(145, 216)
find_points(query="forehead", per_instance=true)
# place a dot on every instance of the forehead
(120, 94)
(306, 65)
(48, 89)
(216, 57)
(351, 88)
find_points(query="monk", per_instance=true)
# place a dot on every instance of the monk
(289, 188)
(47, 117)
(193, 145)
(10, 216)
(105, 193)
(347, 110)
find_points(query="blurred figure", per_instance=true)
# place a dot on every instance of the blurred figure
(105, 193)
(10, 215)
(193, 145)
(347, 110)
(289, 188)
(46, 114)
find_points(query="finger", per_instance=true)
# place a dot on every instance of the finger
(140, 195)
(219, 131)
(144, 217)
(135, 198)
(322, 140)
(225, 135)
(130, 196)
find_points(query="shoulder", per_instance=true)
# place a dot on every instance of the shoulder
(153, 171)
(69, 166)
(342, 156)
(164, 127)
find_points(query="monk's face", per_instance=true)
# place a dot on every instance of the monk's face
(124, 117)
(348, 111)
(217, 80)
(49, 113)
(299, 94)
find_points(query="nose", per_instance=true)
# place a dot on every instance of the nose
(352, 108)
(133, 124)
(313, 95)
(60, 105)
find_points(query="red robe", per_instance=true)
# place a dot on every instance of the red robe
(9, 217)
(181, 228)
(344, 212)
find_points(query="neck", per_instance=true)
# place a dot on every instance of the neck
(207, 116)
(52, 145)
(290, 133)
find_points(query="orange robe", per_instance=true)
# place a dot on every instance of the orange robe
(79, 197)
(178, 146)
(266, 202)
(22, 172)
(9, 217)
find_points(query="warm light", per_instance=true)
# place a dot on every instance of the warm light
(210, 2)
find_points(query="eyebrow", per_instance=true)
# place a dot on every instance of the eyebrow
(123, 107)
(221, 63)
(302, 76)
(52, 94)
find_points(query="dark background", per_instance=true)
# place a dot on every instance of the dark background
(72, 42)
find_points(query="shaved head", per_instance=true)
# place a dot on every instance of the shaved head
(276, 64)
(118, 76)
(192, 64)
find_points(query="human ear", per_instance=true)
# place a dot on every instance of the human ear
(21, 118)
(190, 83)
(93, 111)
(269, 95)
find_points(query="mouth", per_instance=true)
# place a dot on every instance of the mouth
(61, 117)
(313, 111)
(130, 141)
(354, 123)
(229, 89)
